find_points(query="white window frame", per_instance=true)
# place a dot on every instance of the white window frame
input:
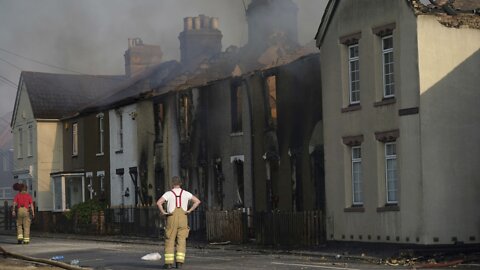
(89, 176)
(62, 177)
(356, 182)
(20, 143)
(30, 141)
(389, 157)
(353, 81)
(101, 178)
(101, 131)
(388, 52)
(75, 139)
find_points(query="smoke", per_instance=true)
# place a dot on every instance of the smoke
(90, 36)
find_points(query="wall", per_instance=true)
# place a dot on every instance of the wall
(224, 145)
(449, 61)
(95, 162)
(146, 137)
(374, 221)
(50, 159)
(123, 158)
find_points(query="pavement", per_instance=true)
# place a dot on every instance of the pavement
(375, 253)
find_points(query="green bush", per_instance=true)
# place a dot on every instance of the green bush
(83, 211)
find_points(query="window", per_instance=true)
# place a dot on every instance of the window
(75, 139)
(391, 173)
(353, 173)
(91, 191)
(388, 78)
(68, 190)
(120, 131)
(357, 175)
(354, 73)
(58, 194)
(185, 116)
(102, 182)
(159, 121)
(272, 99)
(6, 165)
(101, 178)
(100, 133)
(30, 141)
(236, 107)
(20, 143)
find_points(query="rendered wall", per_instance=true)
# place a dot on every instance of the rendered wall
(449, 64)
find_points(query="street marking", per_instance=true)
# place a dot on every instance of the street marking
(315, 266)
(208, 258)
(91, 260)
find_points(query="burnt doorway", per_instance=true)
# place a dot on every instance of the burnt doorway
(318, 167)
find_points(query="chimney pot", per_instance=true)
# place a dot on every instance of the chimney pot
(214, 23)
(188, 23)
(205, 22)
(196, 23)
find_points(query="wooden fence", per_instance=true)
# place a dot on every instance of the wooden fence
(226, 226)
(290, 229)
(277, 228)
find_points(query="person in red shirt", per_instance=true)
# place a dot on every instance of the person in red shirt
(23, 202)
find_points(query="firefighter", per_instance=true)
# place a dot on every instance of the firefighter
(176, 230)
(22, 203)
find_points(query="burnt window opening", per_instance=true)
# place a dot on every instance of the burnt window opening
(236, 106)
(271, 83)
(240, 196)
(159, 122)
(185, 116)
(218, 182)
(297, 185)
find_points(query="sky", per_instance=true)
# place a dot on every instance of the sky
(90, 36)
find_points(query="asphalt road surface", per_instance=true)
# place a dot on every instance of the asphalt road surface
(105, 255)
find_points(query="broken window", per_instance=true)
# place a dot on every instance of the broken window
(119, 131)
(238, 167)
(297, 185)
(218, 182)
(272, 99)
(236, 107)
(159, 122)
(185, 117)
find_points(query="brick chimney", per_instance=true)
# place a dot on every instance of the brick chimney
(270, 18)
(139, 57)
(199, 40)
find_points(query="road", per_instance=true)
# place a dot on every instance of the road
(107, 255)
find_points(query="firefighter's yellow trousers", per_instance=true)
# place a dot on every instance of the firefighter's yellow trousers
(23, 225)
(176, 233)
